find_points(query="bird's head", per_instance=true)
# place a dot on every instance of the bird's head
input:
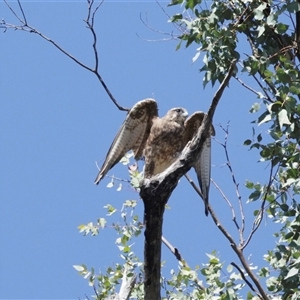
(177, 114)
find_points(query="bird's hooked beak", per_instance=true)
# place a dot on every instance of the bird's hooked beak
(185, 113)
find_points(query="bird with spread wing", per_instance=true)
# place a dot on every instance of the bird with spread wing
(160, 141)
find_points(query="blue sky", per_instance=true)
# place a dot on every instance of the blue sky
(56, 121)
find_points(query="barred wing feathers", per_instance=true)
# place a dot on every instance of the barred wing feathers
(131, 136)
(203, 164)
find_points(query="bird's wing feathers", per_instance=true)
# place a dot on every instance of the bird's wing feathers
(132, 135)
(202, 168)
(192, 124)
(203, 164)
(146, 114)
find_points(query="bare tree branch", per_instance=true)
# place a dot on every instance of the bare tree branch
(241, 257)
(156, 191)
(128, 283)
(239, 197)
(260, 215)
(237, 249)
(95, 291)
(229, 204)
(251, 89)
(171, 36)
(90, 24)
(21, 8)
(15, 14)
(178, 256)
(176, 26)
(174, 250)
(263, 89)
(245, 279)
(194, 185)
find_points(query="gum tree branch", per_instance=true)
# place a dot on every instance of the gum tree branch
(174, 250)
(229, 204)
(90, 25)
(245, 279)
(240, 254)
(239, 197)
(171, 36)
(178, 256)
(156, 192)
(262, 88)
(251, 89)
(22, 11)
(194, 185)
(260, 215)
(237, 249)
(127, 285)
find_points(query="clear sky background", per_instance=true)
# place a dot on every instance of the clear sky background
(56, 121)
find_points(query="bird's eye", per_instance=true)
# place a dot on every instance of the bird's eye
(178, 110)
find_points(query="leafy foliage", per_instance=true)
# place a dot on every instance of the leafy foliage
(272, 33)
(267, 65)
(263, 36)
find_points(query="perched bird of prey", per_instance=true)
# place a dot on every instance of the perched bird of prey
(160, 141)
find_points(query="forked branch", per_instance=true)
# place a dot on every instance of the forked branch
(156, 191)
(24, 26)
(237, 249)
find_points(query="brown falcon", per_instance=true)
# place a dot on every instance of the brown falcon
(160, 141)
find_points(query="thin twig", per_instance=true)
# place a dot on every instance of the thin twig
(156, 40)
(267, 97)
(239, 197)
(255, 53)
(174, 250)
(171, 35)
(259, 217)
(237, 250)
(229, 204)
(263, 89)
(90, 26)
(251, 89)
(245, 279)
(241, 256)
(95, 291)
(178, 256)
(193, 184)
(176, 26)
(14, 13)
(21, 8)
(94, 13)
(197, 190)
(117, 178)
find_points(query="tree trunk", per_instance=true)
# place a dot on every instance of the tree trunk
(154, 210)
(156, 192)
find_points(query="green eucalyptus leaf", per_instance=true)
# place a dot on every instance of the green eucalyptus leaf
(283, 118)
(247, 142)
(292, 272)
(254, 196)
(175, 2)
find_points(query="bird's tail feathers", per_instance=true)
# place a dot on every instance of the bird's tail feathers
(99, 177)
